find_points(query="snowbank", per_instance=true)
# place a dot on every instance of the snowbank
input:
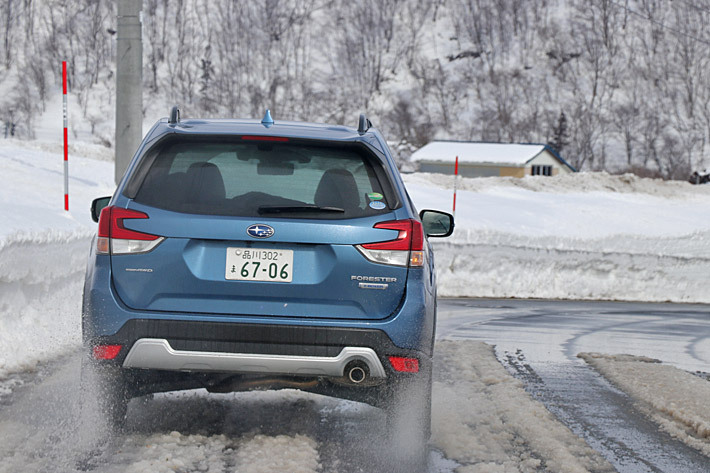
(527, 270)
(43, 249)
(579, 236)
(40, 298)
(32, 190)
(483, 418)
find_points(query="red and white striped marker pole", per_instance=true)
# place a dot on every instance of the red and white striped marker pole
(456, 175)
(66, 138)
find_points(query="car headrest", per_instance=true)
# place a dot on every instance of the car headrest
(204, 183)
(337, 188)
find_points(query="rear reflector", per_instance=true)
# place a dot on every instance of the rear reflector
(106, 352)
(404, 365)
(264, 138)
(103, 245)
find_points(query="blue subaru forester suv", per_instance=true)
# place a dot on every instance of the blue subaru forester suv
(237, 254)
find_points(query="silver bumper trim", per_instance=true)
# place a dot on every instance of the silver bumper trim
(156, 353)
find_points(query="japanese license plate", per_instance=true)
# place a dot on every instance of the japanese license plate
(256, 264)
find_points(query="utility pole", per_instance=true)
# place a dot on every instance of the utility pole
(129, 84)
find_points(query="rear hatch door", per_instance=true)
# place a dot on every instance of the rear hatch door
(261, 233)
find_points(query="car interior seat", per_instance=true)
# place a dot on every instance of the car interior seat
(337, 188)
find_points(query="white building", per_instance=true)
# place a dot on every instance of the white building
(490, 159)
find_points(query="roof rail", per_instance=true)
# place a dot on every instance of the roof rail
(174, 115)
(364, 124)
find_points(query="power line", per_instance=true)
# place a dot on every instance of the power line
(658, 23)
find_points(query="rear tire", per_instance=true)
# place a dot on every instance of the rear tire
(409, 423)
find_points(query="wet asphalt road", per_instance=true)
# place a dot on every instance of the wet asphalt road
(538, 341)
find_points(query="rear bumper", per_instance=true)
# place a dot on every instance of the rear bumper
(168, 355)
(229, 346)
(156, 353)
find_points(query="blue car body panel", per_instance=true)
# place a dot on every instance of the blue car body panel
(411, 326)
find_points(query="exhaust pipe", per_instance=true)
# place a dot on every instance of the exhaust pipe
(357, 371)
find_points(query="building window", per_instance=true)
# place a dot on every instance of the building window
(538, 170)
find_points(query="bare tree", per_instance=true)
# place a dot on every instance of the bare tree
(629, 74)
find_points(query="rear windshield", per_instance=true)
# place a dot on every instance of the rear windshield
(263, 179)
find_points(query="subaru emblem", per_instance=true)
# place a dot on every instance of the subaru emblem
(260, 231)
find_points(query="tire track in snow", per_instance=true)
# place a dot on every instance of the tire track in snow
(605, 417)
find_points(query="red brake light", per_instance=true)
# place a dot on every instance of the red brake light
(411, 236)
(115, 239)
(264, 138)
(106, 352)
(111, 224)
(404, 365)
(118, 230)
(405, 250)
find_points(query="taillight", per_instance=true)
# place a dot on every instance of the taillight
(116, 239)
(405, 250)
(106, 352)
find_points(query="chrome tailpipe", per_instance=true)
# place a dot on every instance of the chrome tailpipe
(356, 371)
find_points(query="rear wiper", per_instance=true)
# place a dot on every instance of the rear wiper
(277, 209)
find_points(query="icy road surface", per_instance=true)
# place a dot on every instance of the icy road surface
(256, 432)
(539, 342)
(483, 419)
